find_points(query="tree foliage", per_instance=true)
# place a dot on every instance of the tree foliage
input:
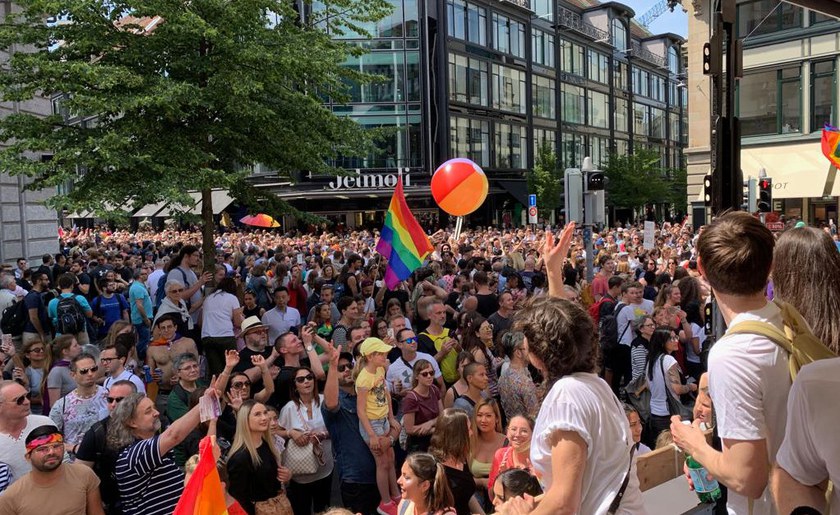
(546, 179)
(637, 180)
(212, 88)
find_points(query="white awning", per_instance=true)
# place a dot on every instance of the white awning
(174, 208)
(219, 198)
(798, 170)
(149, 210)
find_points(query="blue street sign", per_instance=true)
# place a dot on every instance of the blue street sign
(532, 200)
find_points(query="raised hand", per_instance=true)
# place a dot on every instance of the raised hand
(258, 361)
(554, 256)
(231, 359)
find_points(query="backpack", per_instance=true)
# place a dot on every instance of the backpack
(797, 338)
(339, 289)
(161, 290)
(595, 309)
(71, 319)
(608, 334)
(14, 318)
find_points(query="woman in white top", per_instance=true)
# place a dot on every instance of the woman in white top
(302, 423)
(664, 342)
(581, 446)
(221, 312)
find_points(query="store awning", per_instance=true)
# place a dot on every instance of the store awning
(175, 208)
(219, 198)
(798, 171)
(148, 210)
(518, 189)
(83, 214)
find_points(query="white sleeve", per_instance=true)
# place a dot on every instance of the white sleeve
(564, 415)
(798, 455)
(737, 396)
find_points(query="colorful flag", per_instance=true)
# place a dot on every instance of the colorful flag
(830, 143)
(204, 493)
(402, 241)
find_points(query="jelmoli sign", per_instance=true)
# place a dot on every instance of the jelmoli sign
(370, 180)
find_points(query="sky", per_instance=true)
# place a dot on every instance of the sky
(676, 22)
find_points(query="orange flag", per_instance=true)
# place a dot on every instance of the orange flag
(204, 494)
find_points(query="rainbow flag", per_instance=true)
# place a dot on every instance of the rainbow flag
(402, 241)
(204, 494)
(830, 143)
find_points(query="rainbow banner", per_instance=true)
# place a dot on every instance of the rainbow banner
(204, 493)
(830, 143)
(402, 241)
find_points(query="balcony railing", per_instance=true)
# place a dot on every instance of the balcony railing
(647, 55)
(573, 21)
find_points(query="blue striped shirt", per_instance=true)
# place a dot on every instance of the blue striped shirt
(150, 484)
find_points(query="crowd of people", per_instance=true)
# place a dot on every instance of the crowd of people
(495, 379)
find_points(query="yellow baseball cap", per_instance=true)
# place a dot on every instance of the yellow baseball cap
(371, 345)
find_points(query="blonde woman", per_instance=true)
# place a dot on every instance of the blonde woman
(254, 471)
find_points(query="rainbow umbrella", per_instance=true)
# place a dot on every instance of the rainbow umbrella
(259, 220)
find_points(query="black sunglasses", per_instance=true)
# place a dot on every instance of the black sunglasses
(241, 384)
(344, 368)
(20, 399)
(114, 399)
(427, 373)
(303, 379)
(84, 371)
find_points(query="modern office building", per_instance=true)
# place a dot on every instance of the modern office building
(492, 80)
(787, 94)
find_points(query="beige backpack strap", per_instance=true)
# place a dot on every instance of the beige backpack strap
(765, 329)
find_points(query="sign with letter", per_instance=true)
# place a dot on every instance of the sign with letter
(650, 229)
(532, 200)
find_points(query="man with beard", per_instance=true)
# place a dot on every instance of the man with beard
(52, 486)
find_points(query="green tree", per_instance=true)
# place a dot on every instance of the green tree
(546, 179)
(186, 103)
(636, 180)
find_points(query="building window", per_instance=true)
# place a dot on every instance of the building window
(822, 94)
(622, 147)
(400, 144)
(543, 48)
(470, 137)
(674, 125)
(389, 65)
(657, 123)
(641, 119)
(543, 9)
(621, 115)
(467, 22)
(769, 102)
(598, 67)
(820, 18)
(657, 88)
(619, 34)
(600, 151)
(573, 104)
(544, 92)
(673, 60)
(753, 17)
(599, 108)
(468, 80)
(620, 75)
(511, 146)
(572, 149)
(572, 55)
(641, 82)
(508, 89)
(544, 137)
(508, 35)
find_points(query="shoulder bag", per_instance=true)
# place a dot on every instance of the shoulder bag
(675, 407)
(303, 459)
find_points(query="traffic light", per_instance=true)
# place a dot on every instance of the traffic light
(748, 202)
(595, 180)
(765, 195)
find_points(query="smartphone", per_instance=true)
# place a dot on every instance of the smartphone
(300, 259)
(390, 332)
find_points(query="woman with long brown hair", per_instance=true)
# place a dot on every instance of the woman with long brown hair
(425, 490)
(451, 447)
(31, 366)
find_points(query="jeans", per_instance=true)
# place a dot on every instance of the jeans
(144, 336)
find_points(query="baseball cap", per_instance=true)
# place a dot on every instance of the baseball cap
(371, 345)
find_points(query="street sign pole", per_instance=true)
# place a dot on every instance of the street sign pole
(533, 215)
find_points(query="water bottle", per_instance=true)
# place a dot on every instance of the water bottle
(707, 489)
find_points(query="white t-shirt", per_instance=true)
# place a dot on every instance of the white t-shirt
(13, 452)
(810, 452)
(658, 394)
(699, 332)
(126, 375)
(627, 315)
(404, 372)
(749, 381)
(217, 315)
(292, 417)
(585, 404)
(279, 322)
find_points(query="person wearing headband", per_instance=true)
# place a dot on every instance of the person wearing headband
(16, 423)
(52, 486)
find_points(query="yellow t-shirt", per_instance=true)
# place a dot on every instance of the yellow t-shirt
(377, 398)
(449, 363)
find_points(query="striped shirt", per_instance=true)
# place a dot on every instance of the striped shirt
(5, 476)
(150, 484)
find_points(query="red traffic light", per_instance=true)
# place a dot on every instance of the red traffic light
(764, 184)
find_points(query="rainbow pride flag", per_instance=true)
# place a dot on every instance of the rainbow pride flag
(402, 241)
(204, 494)
(830, 143)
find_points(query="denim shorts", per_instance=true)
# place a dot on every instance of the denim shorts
(380, 426)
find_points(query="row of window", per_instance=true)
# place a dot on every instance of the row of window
(759, 17)
(772, 102)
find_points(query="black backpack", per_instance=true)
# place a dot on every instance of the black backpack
(608, 333)
(71, 319)
(14, 318)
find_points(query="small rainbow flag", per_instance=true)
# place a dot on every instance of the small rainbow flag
(402, 241)
(204, 493)
(830, 143)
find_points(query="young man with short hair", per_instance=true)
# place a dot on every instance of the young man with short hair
(476, 376)
(749, 376)
(77, 411)
(65, 284)
(113, 358)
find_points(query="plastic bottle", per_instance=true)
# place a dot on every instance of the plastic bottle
(707, 489)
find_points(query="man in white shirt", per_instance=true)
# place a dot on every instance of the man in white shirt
(619, 359)
(16, 423)
(400, 373)
(749, 379)
(113, 358)
(281, 318)
(154, 277)
(810, 451)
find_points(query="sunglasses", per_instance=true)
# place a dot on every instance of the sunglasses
(114, 399)
(37, 350)
(240, 385)
(427, 373)
(303, 379)
(344, 368)
(409, 341)
(106, 360)
(20, 399)
(92, 370)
